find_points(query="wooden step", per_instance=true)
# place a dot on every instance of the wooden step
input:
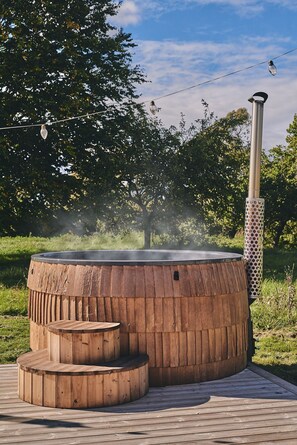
(83, 342)
(47, 383)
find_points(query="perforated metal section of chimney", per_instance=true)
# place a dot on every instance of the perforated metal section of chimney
(253, 244)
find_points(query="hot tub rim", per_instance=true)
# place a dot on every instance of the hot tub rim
(203, 257)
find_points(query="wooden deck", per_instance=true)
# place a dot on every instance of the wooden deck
(250, 407)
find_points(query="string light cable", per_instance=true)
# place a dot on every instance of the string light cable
(153, 108)
(59, 121)
(214, 79)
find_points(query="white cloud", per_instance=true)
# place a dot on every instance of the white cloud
(247, 6)
(129, 14)
(290, 4)
(134, 11)
(172, 66)
(241, 6)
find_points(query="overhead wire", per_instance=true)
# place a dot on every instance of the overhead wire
(214, 79)
(81, 116)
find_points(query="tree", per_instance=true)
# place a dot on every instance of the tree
(58, 60)
(279, 186)
(162, 177)
(141, 160)
(216, 163)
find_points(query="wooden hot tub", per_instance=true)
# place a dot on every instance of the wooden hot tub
(187, 310)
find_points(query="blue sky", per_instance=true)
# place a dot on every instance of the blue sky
(185, 42)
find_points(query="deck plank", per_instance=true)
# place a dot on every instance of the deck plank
(251, 407)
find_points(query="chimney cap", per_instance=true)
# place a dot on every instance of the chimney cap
(264, 96)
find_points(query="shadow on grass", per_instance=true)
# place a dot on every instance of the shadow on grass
(285, 372)
(14, 268)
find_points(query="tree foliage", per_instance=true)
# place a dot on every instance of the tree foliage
(159, 178)
(280, 188)
(215, 160)
(120, 167)
(58, 60)
(139, 188)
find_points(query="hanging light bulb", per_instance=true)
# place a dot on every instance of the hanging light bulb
(43, 132)
(272, 68)
(153, 108)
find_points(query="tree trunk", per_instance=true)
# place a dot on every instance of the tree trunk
(147, 229)
(279, 232)
(147, 237)
(232, 232)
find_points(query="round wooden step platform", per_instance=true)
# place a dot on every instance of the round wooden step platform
(47, 383)
(83, 342)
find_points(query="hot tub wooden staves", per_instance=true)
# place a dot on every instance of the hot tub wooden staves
(191, 319)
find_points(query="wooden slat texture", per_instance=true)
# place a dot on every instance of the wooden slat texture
(38, 361)
(205, 302)
(245, 408)
(53, 384)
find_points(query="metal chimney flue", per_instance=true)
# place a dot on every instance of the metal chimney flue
(254, 216)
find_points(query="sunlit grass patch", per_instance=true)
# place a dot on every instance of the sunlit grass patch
(277, 306)
(276, 351)
(14, 338)
(13, 300)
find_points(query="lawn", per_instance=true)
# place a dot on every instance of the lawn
(274, 314)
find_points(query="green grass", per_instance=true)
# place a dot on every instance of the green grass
(13, 301)
(274, 314)
(15, 256)
(277, 306)
(14, 337)
(276, 351)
